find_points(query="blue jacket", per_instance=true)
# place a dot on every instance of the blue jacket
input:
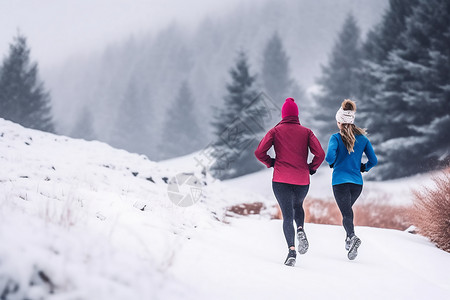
(347, 167)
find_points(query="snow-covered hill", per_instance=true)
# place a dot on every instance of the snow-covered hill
(88, 221)
(82, 220)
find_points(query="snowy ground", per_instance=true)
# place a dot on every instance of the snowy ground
(81, 220)
(244, 261)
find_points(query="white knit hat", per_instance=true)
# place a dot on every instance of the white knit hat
(345, 116)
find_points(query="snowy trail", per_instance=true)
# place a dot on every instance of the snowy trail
(244, 260)
(99, 223)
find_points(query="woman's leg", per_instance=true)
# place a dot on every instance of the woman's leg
(354, 242)
(284, 194)
(300, 192)
(355, 191)
(346, 195)
(299, 214)
(343, 198)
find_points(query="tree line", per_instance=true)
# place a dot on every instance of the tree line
(399, 75)
(24, 100)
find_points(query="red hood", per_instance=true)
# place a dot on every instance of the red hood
(290, 119)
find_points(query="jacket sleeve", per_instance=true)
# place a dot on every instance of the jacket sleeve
(332, 150)
(368, 150)
(263, 147)
(316, 150)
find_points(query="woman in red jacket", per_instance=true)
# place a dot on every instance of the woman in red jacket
(290, 181)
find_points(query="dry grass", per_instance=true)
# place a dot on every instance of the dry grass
(64, 212)
(321, 212)
(374, 214)
(431, 211)
(382, 216)
(246, 209)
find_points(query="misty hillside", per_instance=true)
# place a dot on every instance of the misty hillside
(145, 72)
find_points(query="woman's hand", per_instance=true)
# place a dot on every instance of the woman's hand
(273, 162)
(363, 168)
(311, 170)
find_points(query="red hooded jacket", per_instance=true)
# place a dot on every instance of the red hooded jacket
(291, 142)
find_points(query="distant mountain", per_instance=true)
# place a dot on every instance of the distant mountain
(158, 64)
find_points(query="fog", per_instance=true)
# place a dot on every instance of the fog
(111, 65)
(58, 30)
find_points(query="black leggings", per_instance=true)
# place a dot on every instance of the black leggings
(346, 195)
(290, 198)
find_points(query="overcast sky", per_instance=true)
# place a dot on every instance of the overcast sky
(58, 29)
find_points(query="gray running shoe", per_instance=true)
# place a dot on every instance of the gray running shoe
(303, 244)
(355, 242)
(290, 259)
(347, 243)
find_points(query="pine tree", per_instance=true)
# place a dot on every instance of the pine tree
(83, 128)
(181, 132)
(237, 133)
(275, 71)
(415, 94)
(378, 45)
(385, 36)
(23, 98)
(339, 78)
(131, 130)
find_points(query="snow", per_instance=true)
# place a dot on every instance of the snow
(244, 261)
(82, 220)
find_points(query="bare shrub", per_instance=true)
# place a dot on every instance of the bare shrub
(431, 211)
(381, 216)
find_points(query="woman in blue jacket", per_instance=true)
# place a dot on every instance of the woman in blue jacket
(344, 155)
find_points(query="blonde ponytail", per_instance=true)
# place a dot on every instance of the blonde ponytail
(348, 131)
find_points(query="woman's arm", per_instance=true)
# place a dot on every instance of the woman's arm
(332, 150)
(263, 147)
(368, 150)
(317, 151)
